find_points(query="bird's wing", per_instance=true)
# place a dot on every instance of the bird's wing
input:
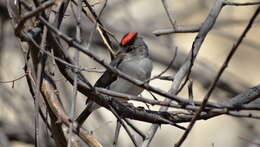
(109, 77)
(104, 81)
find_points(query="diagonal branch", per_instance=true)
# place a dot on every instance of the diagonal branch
(186, 67)
(223, 67)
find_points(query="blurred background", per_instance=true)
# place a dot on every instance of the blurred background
(145, 16)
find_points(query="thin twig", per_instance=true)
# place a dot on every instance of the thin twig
(223, 67)
(125, 127)
(33, 13)
(14, 80)
(178, 29)
(57, 59)
(167, 78)
(206, 26)
(241, 3)
(40, 70)
(135, 128)
(190, 91)
(170, 17)
(166, 69)
(194, 29)
(117, 131)
(101, 31)
(102, 9)
(76, 56)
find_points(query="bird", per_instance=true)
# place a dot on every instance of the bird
(133, 59)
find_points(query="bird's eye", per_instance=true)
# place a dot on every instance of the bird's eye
(129, 49)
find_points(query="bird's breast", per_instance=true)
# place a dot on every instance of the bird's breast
(139, 68)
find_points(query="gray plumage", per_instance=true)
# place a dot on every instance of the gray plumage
(135, 62)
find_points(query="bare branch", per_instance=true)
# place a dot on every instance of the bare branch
(178, 29)
(170, 17)
(241, 3)
(33, 13)
(76, 57)
(180, 75)
(223, 67)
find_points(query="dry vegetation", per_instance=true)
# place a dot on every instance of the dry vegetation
(204, 88)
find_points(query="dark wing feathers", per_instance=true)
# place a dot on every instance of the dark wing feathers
(109, 77)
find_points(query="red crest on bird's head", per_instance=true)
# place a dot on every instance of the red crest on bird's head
(129, 37)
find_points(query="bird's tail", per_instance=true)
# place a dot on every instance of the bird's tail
(91, 106)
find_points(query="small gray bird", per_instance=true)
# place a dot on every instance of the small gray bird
(133, 60)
